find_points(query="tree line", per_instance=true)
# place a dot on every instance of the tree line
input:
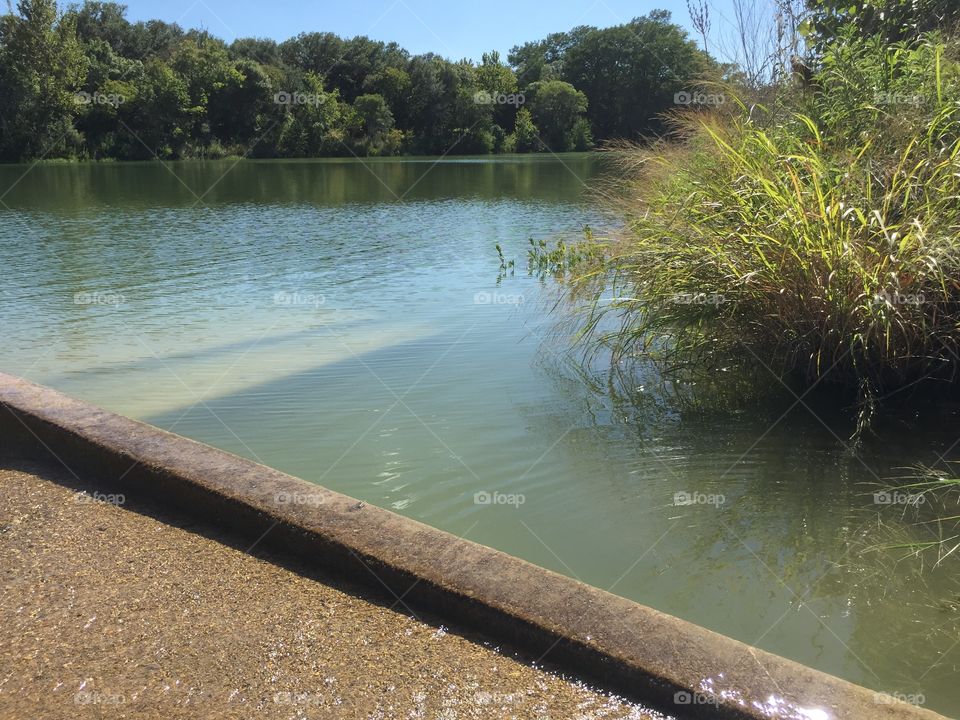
(87, 83)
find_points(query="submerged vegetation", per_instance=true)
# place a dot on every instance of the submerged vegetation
(933, 502)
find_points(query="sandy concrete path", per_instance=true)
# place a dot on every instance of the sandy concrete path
(114, 613)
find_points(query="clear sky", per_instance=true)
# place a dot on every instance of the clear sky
(452, 28)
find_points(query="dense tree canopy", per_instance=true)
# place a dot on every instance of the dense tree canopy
(892, 20)
(86, 82)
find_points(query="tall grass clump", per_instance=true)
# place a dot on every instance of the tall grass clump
(819, 239)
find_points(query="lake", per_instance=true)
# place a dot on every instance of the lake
(344, 321)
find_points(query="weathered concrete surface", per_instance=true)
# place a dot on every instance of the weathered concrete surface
(622, 644)
(112, 613)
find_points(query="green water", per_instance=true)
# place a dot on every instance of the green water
(342, 321)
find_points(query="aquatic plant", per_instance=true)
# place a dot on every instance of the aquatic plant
(561, 258)
(938, 496)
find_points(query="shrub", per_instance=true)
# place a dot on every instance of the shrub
(823, 244)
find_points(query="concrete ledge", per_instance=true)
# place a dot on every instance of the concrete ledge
(647, 655)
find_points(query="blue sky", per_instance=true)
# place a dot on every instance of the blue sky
(452, 28)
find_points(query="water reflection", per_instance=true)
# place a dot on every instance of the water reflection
(326, 182)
